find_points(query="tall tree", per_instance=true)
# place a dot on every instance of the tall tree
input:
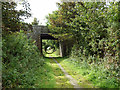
(12, 18)
(89, 22)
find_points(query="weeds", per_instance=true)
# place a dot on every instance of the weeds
(20, 61)
(97, 73)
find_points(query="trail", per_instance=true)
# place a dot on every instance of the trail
(67, 76)
(61, 80)
(71, 79)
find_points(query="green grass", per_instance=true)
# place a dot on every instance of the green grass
(51, 76)
(75, 72)
(46, 76)
(61, 80)
(90, 76)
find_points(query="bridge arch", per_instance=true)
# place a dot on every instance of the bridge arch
(40, 32)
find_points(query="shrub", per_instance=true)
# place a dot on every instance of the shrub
(20, 59)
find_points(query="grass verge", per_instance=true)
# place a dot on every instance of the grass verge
(88, 76)
(46, 76)
(75, 72)
(51, 76)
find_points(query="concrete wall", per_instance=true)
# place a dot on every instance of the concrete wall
(36, 34)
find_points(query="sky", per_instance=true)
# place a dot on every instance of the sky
(40, 9)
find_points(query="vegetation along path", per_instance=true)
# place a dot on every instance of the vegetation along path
(65, 76)
(61, 81)
(72, 80)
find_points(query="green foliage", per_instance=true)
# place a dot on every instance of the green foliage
(97, 73)
(45, 76)
(53, 43)
(50, 48)
(20, 60)
(12, 18)
(96, 31)
(92, 25)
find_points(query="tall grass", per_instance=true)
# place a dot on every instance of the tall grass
(101, 74)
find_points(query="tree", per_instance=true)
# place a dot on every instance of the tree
(57, 21)
(35, 21)
(89, 23)
(12, 18)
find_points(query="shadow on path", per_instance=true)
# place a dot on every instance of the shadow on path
(55, 58)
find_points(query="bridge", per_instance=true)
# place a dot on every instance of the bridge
(39, 33)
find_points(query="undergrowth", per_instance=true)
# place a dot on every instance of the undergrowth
(96, 72)
(20, 62)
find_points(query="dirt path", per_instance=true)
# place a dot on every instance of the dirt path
(70, 78)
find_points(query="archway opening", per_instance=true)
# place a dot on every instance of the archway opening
(50, 48)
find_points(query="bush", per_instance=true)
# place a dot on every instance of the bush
(102, 72)
(20, 60)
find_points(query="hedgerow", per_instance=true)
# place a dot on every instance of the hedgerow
(21, 59)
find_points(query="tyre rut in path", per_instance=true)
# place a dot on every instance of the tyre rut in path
(71, 79)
